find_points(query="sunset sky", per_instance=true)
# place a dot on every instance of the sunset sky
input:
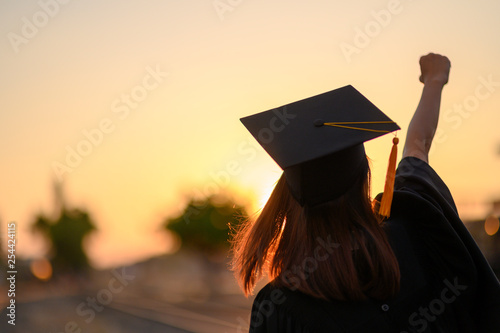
(135, 105)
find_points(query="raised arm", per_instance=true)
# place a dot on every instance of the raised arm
(435, 71)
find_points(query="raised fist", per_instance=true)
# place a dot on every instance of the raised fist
(434, 68)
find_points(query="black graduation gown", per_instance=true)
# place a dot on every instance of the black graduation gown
(446, 283)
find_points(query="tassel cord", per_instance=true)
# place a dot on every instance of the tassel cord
(385, 205)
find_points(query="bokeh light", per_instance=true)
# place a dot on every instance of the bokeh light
(41, 269)
(491, 225)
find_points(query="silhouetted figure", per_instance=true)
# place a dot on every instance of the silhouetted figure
(338, 265)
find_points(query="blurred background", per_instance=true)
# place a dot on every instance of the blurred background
(122, 158)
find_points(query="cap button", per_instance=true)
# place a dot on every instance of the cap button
(319, 123)
(385, 307)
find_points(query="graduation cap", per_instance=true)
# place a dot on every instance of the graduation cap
(318, 142)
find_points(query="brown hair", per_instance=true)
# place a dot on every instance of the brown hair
(337, 250)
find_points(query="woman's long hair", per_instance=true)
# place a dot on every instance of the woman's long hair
(338, 250)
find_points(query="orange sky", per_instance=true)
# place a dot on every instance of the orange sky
(150, 93)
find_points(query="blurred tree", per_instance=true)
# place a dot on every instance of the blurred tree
(205, 224)
(66, 233)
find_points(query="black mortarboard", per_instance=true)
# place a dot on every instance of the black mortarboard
(318, 141)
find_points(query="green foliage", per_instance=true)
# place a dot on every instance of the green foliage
(66, 235)
(205, 225)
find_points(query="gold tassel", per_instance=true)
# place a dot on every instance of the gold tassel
(385, 205)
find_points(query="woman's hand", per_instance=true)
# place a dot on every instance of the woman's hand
(434, 68)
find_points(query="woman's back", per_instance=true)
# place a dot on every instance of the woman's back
(445, 286)
(336, 267)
